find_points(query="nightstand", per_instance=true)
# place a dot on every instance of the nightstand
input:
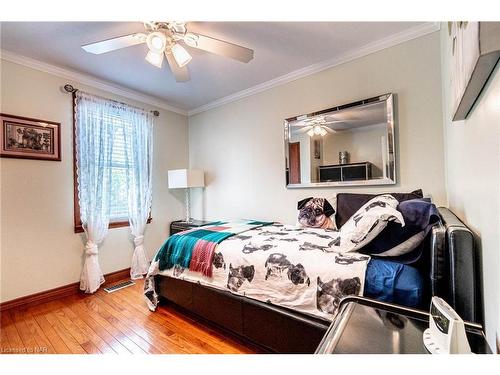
(366, 326)
(181, 225)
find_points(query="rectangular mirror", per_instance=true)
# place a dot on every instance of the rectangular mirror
(348, 145)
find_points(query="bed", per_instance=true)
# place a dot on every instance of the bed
(296, 325)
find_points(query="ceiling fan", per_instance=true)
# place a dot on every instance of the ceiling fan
(315, 126)
(166, 39)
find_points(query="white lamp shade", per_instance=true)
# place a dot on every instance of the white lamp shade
(155, 59)
(185, 178)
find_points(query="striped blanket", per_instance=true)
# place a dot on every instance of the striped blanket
(194, 249)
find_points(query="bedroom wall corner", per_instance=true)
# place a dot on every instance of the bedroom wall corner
(472, 166)
(39, 250)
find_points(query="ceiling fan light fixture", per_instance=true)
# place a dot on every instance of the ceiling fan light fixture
(156, 42)
(317, 129)
(310, 133)
(181, 56)
(323, 132)
(155, 59)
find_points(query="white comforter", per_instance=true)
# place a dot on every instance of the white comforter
(284, 265)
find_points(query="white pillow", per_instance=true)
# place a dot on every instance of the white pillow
(368, 222)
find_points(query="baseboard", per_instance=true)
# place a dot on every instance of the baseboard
(60, 292)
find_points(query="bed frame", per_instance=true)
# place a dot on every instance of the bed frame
(452, 272)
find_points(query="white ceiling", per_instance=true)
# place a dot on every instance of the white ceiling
(280, 48)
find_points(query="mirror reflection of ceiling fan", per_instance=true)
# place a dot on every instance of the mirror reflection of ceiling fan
(318, 125)
(166, 39)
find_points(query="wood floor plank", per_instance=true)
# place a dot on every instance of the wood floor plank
(8, 326)
(99, 330)
(79, 335)
(131, 328)
(44, 345)
(63, 333)
(89, 332)
(111, 329)
(118, 322)
(5, 345)
(57, 342)
(143, 345)
(29, 341)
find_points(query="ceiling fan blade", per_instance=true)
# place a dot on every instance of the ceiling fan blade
(327, 121)
(219, 47)
(305, 129)
(180, 74)
(329, 130)
(115, 43)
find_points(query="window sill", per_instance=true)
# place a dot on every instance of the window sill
(114, 224)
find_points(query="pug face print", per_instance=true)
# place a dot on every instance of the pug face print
(218, 261)
(238, 275)
(278, 265)
(328, 295)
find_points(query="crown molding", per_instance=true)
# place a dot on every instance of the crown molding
(88, 80)
(390, 41)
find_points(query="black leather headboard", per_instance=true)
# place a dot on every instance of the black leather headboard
(453, 268)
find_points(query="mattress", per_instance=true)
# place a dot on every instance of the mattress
(393, 282)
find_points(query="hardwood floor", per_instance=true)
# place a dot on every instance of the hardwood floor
(118, 322)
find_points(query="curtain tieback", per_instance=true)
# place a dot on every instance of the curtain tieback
(90, 248)
(138, 240)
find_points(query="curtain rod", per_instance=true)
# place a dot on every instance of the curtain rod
(69, 88)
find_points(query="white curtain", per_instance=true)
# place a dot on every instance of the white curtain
(139, 178)
(94, 146)
(98, 122)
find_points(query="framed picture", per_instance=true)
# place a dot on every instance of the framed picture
(474, 48)
(29, 138)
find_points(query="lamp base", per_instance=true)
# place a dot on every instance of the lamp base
(188, 204)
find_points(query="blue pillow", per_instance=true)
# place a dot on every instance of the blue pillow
(405, 244)
(393, 282)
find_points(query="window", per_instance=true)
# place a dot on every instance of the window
(120, 167)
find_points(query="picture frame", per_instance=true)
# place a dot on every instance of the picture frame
(29, 138)
(474, 50)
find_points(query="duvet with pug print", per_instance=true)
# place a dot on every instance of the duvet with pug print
(288, 266)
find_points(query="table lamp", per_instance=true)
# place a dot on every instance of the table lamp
(186, 179)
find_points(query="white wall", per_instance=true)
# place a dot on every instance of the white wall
(39, 249)
(472, 155)
(240, 145)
